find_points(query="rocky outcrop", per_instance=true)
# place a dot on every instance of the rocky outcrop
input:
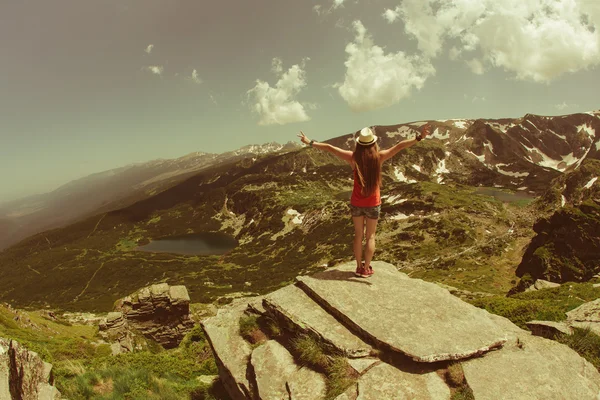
(434, 325)
(417, 329)
(24, 375)
(542, 284)
(549, 329)
(159, 312)
(586, 315)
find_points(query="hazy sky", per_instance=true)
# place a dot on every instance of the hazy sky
(90, 85)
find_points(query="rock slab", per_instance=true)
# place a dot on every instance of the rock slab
(410, 316)
(24, 375)
(231, 351)
(529, 367)
(294, 305)
(386, 382)
(278, 377)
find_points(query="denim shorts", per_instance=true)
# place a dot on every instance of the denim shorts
(369, 212)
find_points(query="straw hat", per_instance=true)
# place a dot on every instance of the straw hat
(366, 137)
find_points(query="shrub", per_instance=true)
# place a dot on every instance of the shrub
(585, 342)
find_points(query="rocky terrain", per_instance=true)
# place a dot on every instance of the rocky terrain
(421, 343)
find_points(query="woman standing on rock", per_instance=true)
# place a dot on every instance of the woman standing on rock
(365, 203)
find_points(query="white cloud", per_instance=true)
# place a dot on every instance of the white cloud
(337, 3)
(476, 66)
(149, 48)
(391, 15)
(155, 69)
(276, 105)
(195, 77)
(317, 9)
(536, 40)
(376, 80)
(564, 105)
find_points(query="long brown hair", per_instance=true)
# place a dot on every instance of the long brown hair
(368, 167)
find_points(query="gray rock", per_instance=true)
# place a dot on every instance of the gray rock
(386, 382)
(529, 367)
(293, 304)
(160, 312)
(587, 312)
(24, 375)
(208, 379)
(278, 377)
(231, 351)
(549, 329)
(542, 284)
(410, 316)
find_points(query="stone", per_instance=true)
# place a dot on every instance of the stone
(383, 381)
(542, 284)
(159, 312)
(24, 375)
(587, 312)
(360, 365)
(278, 377)
(208, 379)
(293, 305)
(549, 329)
(231, 351)
(392, 311)
(531, 367)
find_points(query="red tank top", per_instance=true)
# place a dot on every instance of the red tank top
(359, 200)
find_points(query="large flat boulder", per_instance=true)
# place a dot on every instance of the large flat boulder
(530, 367)
(586, 316)
(278, 376)
(410, 316)
(294, 305)
(386, 382)
(231, 351)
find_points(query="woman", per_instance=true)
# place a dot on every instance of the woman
(365, 202)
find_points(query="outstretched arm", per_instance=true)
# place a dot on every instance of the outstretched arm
(392, 151)
(345, 155)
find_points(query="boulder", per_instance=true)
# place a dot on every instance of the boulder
(293, 305)
(410, 316)
(549, 329)
(159, 312)
(542, 284)
(231, 351)
(24, 375)
(586, 316)
(530, 367)
(386, 382)
(278, 377)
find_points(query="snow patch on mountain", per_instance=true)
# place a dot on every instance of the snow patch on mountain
(590, 183)
(298, 218)
(461, 123)
(480, 158)
(418, 168)
(563, 200)
(400, 176)
(438, 135)
(598, 145)
(563, 137)
(587, 129)
(510, 173)
(490, 147)
(501, 127)
(399, 216)
(402, 131)
(393, 199)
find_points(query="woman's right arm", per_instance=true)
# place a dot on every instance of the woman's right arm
(345, 155)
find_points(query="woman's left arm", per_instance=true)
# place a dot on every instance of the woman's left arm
(345, 155)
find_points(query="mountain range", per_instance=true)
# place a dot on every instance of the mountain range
(463, 207)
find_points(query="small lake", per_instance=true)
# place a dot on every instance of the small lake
(207, 243)
(505, 197)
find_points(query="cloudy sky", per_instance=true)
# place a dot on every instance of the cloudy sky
(87, 86)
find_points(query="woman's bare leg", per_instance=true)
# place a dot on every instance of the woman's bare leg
(370, 247)
(359, 229)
